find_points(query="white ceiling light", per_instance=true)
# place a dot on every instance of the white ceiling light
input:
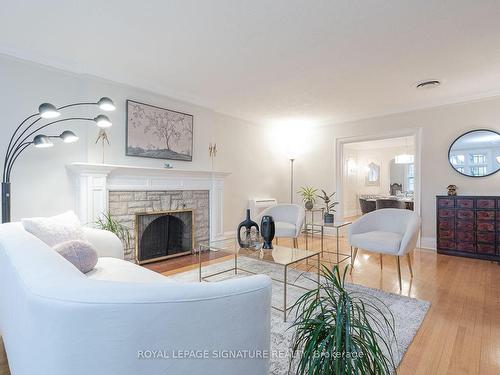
(404, 159)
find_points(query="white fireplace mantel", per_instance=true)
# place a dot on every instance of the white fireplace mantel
(94, 181)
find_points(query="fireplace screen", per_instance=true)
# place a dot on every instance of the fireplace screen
(163, 235)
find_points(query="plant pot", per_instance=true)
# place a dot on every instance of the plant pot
(329, 218)
(309, 205)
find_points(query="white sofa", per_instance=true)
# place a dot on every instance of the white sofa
(57, 321)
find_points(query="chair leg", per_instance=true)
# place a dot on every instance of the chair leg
(276, 238)
(408, 258)
(381, 264)
(399, 273)
(295, 242)
(353, 259)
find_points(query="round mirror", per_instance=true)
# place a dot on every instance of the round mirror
(476, 153)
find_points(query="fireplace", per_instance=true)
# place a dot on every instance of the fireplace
(163, 235)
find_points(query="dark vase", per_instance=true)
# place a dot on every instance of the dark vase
(247, 224)
(329, 218)
(267, 231)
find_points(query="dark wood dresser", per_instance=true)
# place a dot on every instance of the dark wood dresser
(468, 226)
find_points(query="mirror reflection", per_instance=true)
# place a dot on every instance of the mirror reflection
(476, 153)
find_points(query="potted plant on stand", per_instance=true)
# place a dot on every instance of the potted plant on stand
(341, 332)
(308, 194)
(329, 206)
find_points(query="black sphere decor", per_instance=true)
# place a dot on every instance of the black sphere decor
(267, 230)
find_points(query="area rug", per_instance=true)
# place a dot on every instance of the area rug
(408, 312)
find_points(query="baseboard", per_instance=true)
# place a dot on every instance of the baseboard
(428, 243)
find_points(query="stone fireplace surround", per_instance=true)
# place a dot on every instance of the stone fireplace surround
(124, 205)
(99, 188)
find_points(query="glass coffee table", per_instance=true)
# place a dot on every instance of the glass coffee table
(282, 256)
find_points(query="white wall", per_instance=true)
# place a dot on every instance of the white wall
(440, 126)
(42, 185)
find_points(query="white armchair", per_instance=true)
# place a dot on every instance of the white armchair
(288, 220)
(389, 231)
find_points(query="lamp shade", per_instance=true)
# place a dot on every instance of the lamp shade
(47, 110)
(42, 141)
(103, 121)
(106, 104)
(68, 136)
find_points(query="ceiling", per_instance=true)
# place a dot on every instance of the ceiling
(270, 60)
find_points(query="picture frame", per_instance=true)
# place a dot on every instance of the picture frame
(158, 133)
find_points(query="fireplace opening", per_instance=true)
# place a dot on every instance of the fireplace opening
(163, 235)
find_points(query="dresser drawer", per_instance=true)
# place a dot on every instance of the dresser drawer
(485, 237)
(446, 244)
(465, 225)
(485, 203)
(470, 247)
(446, 213)
(485, 248)
(465, 203)
(468, 236)
(485, 226)
(446, 202)
(485, 215)
(465, 214)
(446, 223)
(448, 234)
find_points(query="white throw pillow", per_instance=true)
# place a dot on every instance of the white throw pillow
(80, 253)
(56, 229)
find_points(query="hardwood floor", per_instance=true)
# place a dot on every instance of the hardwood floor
(461, 332)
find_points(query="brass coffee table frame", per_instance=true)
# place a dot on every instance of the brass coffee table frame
(236, 252)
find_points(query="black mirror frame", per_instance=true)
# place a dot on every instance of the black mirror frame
(460, 136)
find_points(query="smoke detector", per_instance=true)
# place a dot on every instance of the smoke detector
(428, 84)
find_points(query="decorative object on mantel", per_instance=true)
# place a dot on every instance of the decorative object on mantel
(308, 194)
(168, 165)
(267, 230)
(20, 139)
(212, 152)
(103, 137)
(154, 132)
(249, 236)
(452, 190)
(329, 206)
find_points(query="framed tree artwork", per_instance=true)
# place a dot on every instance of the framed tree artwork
(154, 132)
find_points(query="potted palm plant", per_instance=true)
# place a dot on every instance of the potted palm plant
(329, 206)
(341, 332)
(308, 194)
(109, 223)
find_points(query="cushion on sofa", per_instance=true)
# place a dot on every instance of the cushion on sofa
(56, 229)
(79, 253)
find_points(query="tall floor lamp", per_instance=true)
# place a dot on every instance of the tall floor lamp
(291, 180)
(21, 139)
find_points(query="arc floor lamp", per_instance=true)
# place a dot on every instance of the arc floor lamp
(27, 134)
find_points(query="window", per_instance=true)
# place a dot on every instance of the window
(410, 177)
(478, 158)
(457, 159)
(478, 171)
